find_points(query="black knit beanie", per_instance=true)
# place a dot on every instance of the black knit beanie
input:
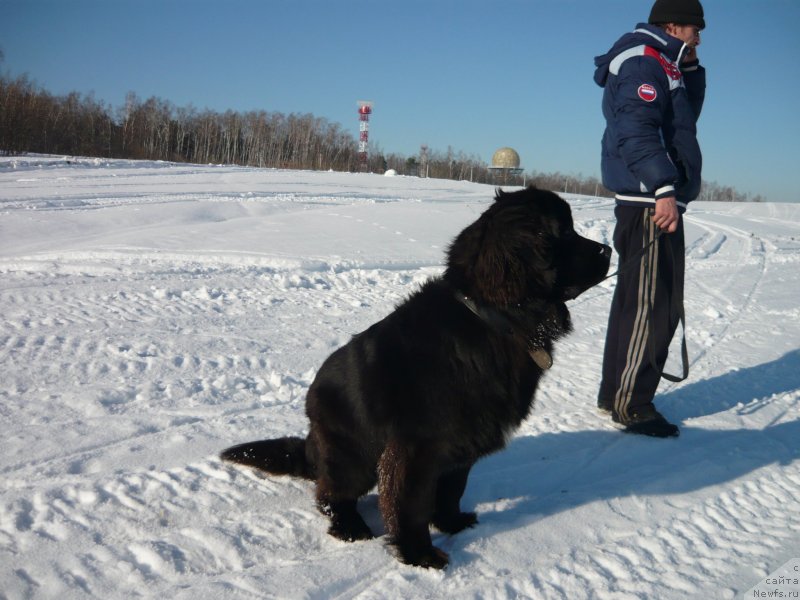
(680, 12)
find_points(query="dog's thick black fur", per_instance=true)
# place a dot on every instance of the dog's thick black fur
(412, 402)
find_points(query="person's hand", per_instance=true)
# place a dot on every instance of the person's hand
(666, 215)
(691, 54)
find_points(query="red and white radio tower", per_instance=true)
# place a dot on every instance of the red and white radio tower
(364, 111)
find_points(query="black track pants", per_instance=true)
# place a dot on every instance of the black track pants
(629, 378)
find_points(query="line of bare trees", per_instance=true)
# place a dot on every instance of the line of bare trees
(439, 165)
(33, 120)
(457, 165)
(714, 192)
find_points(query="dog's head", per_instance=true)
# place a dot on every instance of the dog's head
(524, 247)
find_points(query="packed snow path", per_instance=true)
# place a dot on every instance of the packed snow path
(154, 314)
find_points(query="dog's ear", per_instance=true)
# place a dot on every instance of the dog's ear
(505, 257)
(462, 255)
(487, 261)
(499, 271)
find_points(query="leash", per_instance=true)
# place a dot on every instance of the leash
(632, 260)
(675, 308)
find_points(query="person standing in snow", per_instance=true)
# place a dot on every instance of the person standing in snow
(653, 92)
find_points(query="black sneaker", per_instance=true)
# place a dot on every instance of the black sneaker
(605, 406)
(646, 420)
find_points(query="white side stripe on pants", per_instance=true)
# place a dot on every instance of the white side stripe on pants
(648, 268)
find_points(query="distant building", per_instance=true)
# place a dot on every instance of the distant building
(505, 167)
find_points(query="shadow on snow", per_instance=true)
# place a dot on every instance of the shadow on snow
(549, 473)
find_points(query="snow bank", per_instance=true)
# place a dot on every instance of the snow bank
(155, 313)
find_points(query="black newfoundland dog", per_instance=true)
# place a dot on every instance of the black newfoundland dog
(412, 402)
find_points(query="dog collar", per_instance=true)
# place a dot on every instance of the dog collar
(541, 357)
(500, 322)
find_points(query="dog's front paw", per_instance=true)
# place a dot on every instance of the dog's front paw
(351, 532)
(429, 558)
(453, 523)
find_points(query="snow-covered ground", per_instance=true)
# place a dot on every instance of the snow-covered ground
(154, 314)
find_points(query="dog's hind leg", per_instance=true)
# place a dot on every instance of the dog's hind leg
(449, 489)
(407, 479)
(346, 523)
(343, 476)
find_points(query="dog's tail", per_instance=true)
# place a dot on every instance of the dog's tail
(283, 456)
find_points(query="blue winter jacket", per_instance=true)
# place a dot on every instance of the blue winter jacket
(651, 103)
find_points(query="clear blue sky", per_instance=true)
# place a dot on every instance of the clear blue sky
(473, 75)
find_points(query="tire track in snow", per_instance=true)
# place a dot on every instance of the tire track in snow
(118, 348)
(121, 363)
